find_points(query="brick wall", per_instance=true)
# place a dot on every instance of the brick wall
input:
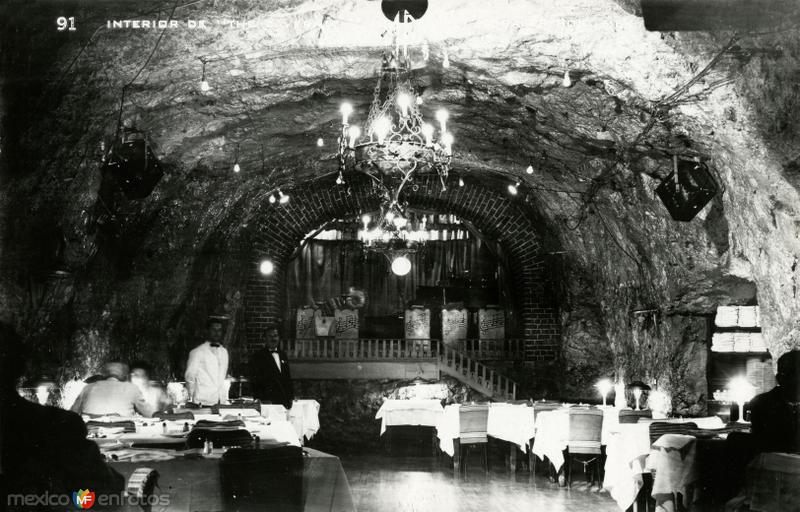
(494, 214)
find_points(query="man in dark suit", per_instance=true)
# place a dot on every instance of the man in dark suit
(269, 370)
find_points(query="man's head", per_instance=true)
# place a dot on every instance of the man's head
(216, 330)
(140, 373)
(116, 370)
(788, 375)
(273, 337)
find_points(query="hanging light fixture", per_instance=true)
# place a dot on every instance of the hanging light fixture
(393, 148)
(236, 167)
(396, 143)
(204, 85)
(401, 265)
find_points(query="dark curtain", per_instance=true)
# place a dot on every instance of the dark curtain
(328, 268)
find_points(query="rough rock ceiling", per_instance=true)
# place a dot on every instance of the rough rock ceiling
(276, 87)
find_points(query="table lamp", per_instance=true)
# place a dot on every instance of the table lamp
(637, 387)
(43, 387)
(604, 387)
(742, 392)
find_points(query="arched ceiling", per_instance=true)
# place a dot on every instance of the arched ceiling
(637, 97)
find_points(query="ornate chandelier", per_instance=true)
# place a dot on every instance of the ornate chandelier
(396, 143)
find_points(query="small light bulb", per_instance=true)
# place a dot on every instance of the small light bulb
(204, 86)
(567, 82)
(236, 167)
(320, 142)
(460, 182)
(529, 169)
(272, 199)
(365, 219)
(355, 133)
(427, 131)
(447, 141)
(346, 109)
(340, 179)
(382, 127)
(284, 198)
(419, 100)
(512, 189)
(403, 101)
(442, 116)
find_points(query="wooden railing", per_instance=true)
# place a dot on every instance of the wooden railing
(393, 348)
(363, 349)
(460, 360)
(477, 375)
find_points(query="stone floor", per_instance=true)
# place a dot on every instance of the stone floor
(416, 483)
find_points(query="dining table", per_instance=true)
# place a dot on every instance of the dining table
(189, 478)
(151, 432)
(630, 454)
(190, 482)
(552, 432)
(411, 412)
(513, 423)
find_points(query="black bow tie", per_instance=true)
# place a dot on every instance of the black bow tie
(274, 350)
(215, 344)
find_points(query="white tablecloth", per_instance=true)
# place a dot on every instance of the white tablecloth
(673, 459)
(627, 448)
(552, 433)
(152, 431)
(409, 412)
(627, 451)
(509, 422)
(305, 418)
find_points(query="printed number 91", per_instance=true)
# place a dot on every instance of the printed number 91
(66, 23)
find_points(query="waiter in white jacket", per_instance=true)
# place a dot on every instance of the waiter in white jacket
(208, 367)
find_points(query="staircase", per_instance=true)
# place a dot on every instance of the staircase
(461, 363)
(476, 375)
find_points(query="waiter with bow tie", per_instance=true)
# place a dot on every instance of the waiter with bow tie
(208, 367)
(269, 368)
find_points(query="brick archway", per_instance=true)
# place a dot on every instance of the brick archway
(281, 229)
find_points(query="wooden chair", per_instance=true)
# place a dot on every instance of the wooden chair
(631, 416)
(473, 421)
(583, 442)
(659, 428)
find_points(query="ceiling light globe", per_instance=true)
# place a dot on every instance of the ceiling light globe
(266, 267)
(529, 169)
(204, 86)
(401, 266)
(512, 189)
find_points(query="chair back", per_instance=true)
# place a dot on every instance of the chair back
(631, 416)
(585, 430)
(473, 421)
(659, 428)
